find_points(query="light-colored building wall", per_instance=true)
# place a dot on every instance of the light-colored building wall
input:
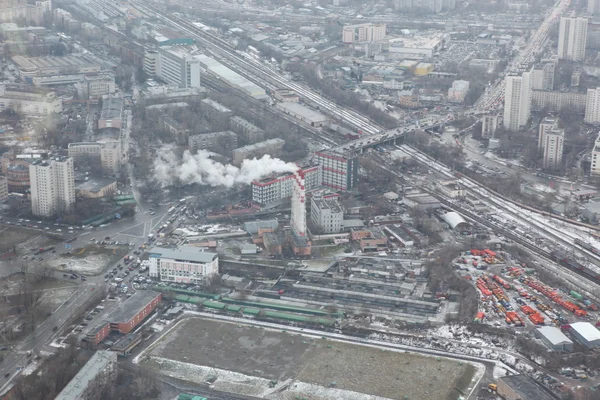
(326, 214)
(551, 143)
(517, 102)
(592, 106)
(29, 103)
(572, 38)
(108, 152)
(3, 188)
(52, 186)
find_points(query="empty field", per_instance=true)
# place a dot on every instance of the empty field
(330, 364)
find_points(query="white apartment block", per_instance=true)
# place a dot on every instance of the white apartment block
(184, 264)
(572, 38)
(551, 140)
(177, 66)
(555, 100)
(595, 167)
(108, 152)
(3, 189)
(276, 188)
(326, 214)
(542, 75)
(363, 33)
(593, 6)
(592, 106)
(458, 91)
(517, 101)
(29, 102)
(52, 186)
(489, 124)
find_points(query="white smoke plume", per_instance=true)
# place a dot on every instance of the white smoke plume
(199, 168)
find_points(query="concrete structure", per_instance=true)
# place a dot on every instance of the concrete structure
(176, 129)
(176, 66)
(151, 60)
(489, 124)
(326, 214)
(399, 234)
(542, 75)
(127, 343)
(363, 33)
(99, 372)
(255, 227)
(184, 264)
(595, 165)
(339, 171)
(451, 188)
(111, 115)
(458, 91)
(303, 113)
(72, 67)
(522, 387)
(273, 244)
(455, 221)
(28, 11)
(592, 106)
(586, 334)
(554, 339)
(109, 153)
(3, 189)
(572, 38)
(247, 132)
(551, 140)
(556, 101)
(517, 101)
(96, 188)
(16, 170)
(275, 188)
(218, 142)
(215, 113)
(95, 85)
(273, 147)
(27, 102)
(298, 218)
(52, 186)
(416, 46)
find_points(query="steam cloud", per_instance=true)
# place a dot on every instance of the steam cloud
(200, 168)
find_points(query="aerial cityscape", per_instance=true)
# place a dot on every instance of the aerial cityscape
(300, 200)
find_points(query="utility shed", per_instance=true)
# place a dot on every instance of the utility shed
(554, 339)
(522, 387)
(586, 334)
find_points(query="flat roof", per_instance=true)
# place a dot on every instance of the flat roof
(303, 111)
(328, 204)
(253, 227)
(187, 253)
(586, 330)
(112, 107)
(554, 335)
(527, 388)
(123, 343)
(95, 185)
(130, 307)
(217, 106)
(23, 62)
(78, 385)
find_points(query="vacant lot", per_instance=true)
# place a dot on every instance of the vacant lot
(22, 238)
(280, 355)
(91, 259)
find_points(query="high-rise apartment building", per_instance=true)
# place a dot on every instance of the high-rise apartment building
(517, 101)
(592, 106)
(542, 75)
(572, 38)
(176, 66)
(593, 6)
(339, 171)
(489, 124)
(363, 33)
(52, 186)
(595, 166)
(551, 140)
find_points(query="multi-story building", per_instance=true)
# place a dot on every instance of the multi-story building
(431, 6)
(175, 128)
(219, 142)
(273, 147)
(108, 152)
(216, 113)
(489, 124)
(96, 85)
(52, 186)
(176, 66)
(551, 143)
(542, 75)
(71, 66)
(151, 60)
(339, 171)
(458, 91)
(16, 170)
(32, 13)
(572, 38)
(593, 6)
(275, 188)
(111, 115)
(556, 101)
(592, 106)
(326, 214)
(185, 264)
(363, 33)
(3, 188)
(247, 131)
(27, 102)
(88, 384)
(517, 101)
(595, 165)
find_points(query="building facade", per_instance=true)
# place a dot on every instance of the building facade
(592, 106)
(3, 189)
(551, 143)
(247, 131)
(556, 101)
(52, 186)
(272, 147)
(27, 102)
(517, 101)
(176, 66)
(326, 214)
(572, 38)
(108, 152)
(218, 142)
(111, 115)
(489, 124)
(185, 264)
(595, 165)
(542, 75)
(99, 372)
(216, 113)
(276, 188)
(339, 171)
(458, 91)
(363, 33)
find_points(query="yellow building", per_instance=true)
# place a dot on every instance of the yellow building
(423, 69)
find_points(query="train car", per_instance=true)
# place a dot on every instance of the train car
(571, 263)
(587, 246)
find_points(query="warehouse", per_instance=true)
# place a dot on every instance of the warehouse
(303, 113)
(586, 334)
(455, 221)
(554, 339)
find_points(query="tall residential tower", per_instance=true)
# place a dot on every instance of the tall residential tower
(52, 186)
(572, 38)
(517, 101)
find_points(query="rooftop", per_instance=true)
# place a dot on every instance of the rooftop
(554, 335)
(303, 111)
(327, 204)
(95, 185)
(586, 330)
(252, 227)
(123, 343)
(77, 386)
(217, 106)
(33, 63)
(112, 107)
(187, 253)
(128, 309)
(527, 388)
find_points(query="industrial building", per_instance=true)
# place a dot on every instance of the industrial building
(455, 221)
(215, 113)
(272, 189)
(522, 387)
(16, 170)
(326, 214)
(108, 152)
(551, 141)
(554, 339)
(297, 238)
(92, 378)
(218, 142)
(517, 101)
(72, 66)
(416, 46)
(111, 115)
(184, 264)
(124, 345)
(27, 102)
(95, 85)
(592, 106)
(452, 188)
(572, 38)
(52, 186)
(247, 132)
(363, 33)
(586, 334)
(339, 171)
(303, 113)
(272, 147)
(400, 235)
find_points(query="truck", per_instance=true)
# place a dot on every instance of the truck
(576, 295)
